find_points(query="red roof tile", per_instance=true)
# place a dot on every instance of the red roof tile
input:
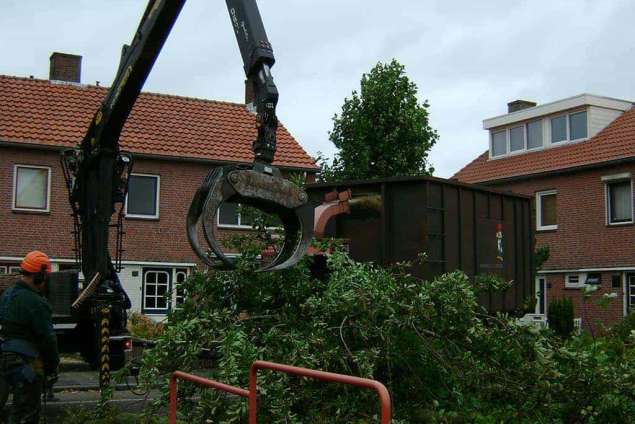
(615, 142)
(55, 114)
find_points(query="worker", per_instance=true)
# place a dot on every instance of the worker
(29, 358)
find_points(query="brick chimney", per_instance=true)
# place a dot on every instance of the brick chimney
(65, 67)
(517, 105)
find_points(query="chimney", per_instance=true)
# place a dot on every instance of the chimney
(517, 105)
(65, 67)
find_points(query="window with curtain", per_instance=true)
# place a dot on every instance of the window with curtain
(620, 202)
(534, 134)
(31, 188)
(499, 143)
(517, 139)
(577, 125)
(558, 129)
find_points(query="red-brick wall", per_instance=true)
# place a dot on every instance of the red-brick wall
(162, 240)
(583, 239)
(597, 312)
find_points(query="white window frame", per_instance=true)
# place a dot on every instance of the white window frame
(235, 226)
(158, 199)
(509, 139)
(155, 310)
(539, 196)
(3, 270)
(612, 179)
(176, 272)
(491, 144)
(542, 135)
(14, 269)
(547, 142)
(566, 129)
(581, 280)
(15, 189)
(567, 116)
(575, 112)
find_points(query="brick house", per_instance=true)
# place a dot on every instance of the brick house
(576, 158)
(175, 141)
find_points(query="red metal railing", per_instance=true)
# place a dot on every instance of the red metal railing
(252, 393)
(179, 375)
(384, 396)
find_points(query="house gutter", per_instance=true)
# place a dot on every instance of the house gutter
(38, 146)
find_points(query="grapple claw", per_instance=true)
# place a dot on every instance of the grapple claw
(266, 191)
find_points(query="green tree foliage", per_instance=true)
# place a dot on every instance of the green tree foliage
(561, 317)
(541, 255)
(382, 131)
(440, 355)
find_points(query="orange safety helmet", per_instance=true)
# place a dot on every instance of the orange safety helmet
(35, 261)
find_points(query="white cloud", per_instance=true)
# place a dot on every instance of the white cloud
(468, 58)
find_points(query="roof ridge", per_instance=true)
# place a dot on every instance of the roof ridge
(145, 93)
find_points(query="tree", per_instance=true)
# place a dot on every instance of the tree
(382, 131)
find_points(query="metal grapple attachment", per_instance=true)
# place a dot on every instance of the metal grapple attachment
(263, 189)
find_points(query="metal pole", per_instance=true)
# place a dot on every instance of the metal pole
(104, 347)
(172, 404)
(252, 400)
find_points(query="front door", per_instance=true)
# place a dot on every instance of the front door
(630, 292)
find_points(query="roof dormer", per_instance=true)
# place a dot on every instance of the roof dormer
(528, 127)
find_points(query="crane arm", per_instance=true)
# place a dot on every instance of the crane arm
(97, 172)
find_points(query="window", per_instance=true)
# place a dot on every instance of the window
(577, 125)
(569, 127)
(558, 129)
(546, 210)
(143, 196)
(156, 286)
(232, 214)
(179, 277)
(517, 139)
(31, 188)
(3, 270)
(499, 143)
(14, 269)
(619, 202)
(574, 281)
(593, 278)
(534, 134)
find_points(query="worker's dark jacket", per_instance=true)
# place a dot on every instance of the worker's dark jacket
(27, 326)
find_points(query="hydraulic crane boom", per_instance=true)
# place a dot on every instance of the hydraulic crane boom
(97, 171)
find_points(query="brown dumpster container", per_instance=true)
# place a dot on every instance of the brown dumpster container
(459, 226)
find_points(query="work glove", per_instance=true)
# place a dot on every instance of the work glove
(50, 380)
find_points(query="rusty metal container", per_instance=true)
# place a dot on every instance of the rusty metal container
(458, 226)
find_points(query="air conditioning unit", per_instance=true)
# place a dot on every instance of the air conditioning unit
(537, 320)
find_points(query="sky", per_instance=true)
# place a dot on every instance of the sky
(467, 58)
